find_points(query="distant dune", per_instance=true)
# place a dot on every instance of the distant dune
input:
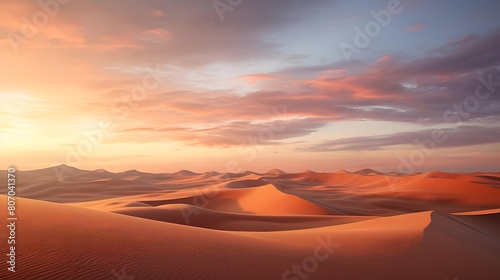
(185, 225)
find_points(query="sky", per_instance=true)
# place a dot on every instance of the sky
(235, 85)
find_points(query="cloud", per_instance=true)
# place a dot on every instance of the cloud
(238, 133)
(196, 35)
(416, 27)
(100, 44)
(253, 79)
(156, 13)
(385, 59)
(457, 57)
(391, 90)
(455, 137)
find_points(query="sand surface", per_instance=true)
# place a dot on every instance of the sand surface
(276, 225)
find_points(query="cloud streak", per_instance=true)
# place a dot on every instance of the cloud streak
(461, 136)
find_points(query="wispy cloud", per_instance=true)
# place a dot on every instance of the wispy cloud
(416, 27)
(455, 137)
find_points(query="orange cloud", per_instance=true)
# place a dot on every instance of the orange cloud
(386, 58)
(416, 27)
(253, 79)
(156, 35)
(156, 13)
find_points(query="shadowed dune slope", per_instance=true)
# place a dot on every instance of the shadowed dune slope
(201, 217)
(261, 200)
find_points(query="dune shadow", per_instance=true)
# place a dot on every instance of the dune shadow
(218, 204)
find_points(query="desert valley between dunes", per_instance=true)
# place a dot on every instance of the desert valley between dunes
(275, 225)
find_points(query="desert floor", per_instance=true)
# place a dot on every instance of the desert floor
(276, 225)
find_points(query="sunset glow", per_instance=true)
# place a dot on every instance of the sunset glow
(169, 85)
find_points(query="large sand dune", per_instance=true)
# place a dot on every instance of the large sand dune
(339, 225)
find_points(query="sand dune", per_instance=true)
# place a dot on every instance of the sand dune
(78, 243)
(81, 243)
(391, 195)
(263, 200)
(338, 192)
(275, 171)
(201, 217)
(274, 225)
